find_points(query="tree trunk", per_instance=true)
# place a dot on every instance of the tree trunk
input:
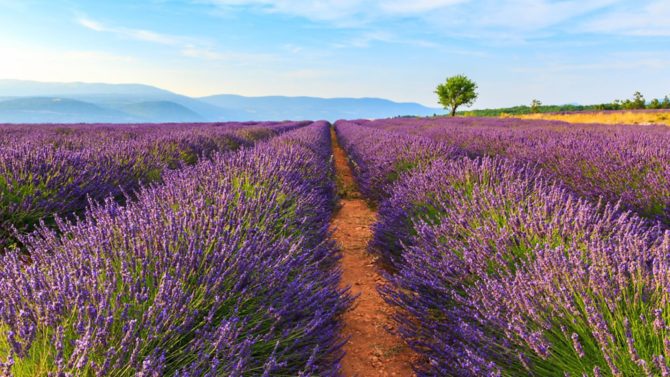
(453, 111)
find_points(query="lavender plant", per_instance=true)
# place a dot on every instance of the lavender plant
(222, 270)
(520, 277)
(47, 170)
(501, 271)
(379, 157)
(624, 163)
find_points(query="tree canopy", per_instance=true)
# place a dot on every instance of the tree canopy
(456, 91)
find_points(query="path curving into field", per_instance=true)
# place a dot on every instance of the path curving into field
(371, 349)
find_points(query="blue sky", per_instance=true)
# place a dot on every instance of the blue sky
(565, 51)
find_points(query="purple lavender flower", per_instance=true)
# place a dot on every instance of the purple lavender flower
(225, 265)
(500, 267)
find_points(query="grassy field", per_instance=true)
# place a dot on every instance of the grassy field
(607, 117)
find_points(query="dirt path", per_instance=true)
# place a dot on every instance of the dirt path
(371, 350)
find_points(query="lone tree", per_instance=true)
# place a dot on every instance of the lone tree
(456, 91)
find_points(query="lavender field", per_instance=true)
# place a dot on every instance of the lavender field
(521, 248)
(507, 247)
(354, 188)
(219, 267)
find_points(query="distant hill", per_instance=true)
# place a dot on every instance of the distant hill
(23, 88)
(33, 102)
(57, 110)
(162, 111)
(111, 96)
(279, 107)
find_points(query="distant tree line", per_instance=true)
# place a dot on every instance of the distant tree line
(637, 102)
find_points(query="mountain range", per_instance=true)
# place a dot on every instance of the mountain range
(41, 102)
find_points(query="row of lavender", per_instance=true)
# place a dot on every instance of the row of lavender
(221, 270)
(54, 169)
(496, 270)
(623, 163)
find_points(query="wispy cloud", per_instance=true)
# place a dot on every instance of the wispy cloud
(643, 18)
(309, 74)
(365, 39)
(186, 46)
(12, 5)
(484, 19)
(647, 61)
(344, 13)
(368, 38)
(92, 55)
(210, 54)
(136, 34)
(529, 15)
(405, 7)
(292, 48)
(49, 64)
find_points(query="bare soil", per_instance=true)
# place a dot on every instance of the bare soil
(372, 348)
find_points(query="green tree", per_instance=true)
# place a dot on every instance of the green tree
(456, 91)
(535, 106)
(654, 104)
(638, 101)
(666, 103)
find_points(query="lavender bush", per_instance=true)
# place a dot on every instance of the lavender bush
(502, 272)
(47, 170)
(520, 277)
(222, 270)
(624, 163)
(380, 157)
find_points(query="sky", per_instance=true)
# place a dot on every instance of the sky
(567, 51)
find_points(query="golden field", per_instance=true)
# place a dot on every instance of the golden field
(607, 117)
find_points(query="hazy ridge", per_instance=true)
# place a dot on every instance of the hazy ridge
(39, 102)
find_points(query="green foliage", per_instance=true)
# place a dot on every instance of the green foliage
(524, 109)
(654, 104)
(666, 103)
(535, 106)
(637, 102)
(614, 105)
(456, 91)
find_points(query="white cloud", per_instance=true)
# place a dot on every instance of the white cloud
(186, 46)
(137, 34)
(210, 54)
(309, 74)
(611, 63)
(92, 55)
(13, 5)
(294, 49)
(651, 18)
(533, 15)
(90, 24)
(365, 39)
(483, 19)
(405, 7)
(339, 12)
(47, 64)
